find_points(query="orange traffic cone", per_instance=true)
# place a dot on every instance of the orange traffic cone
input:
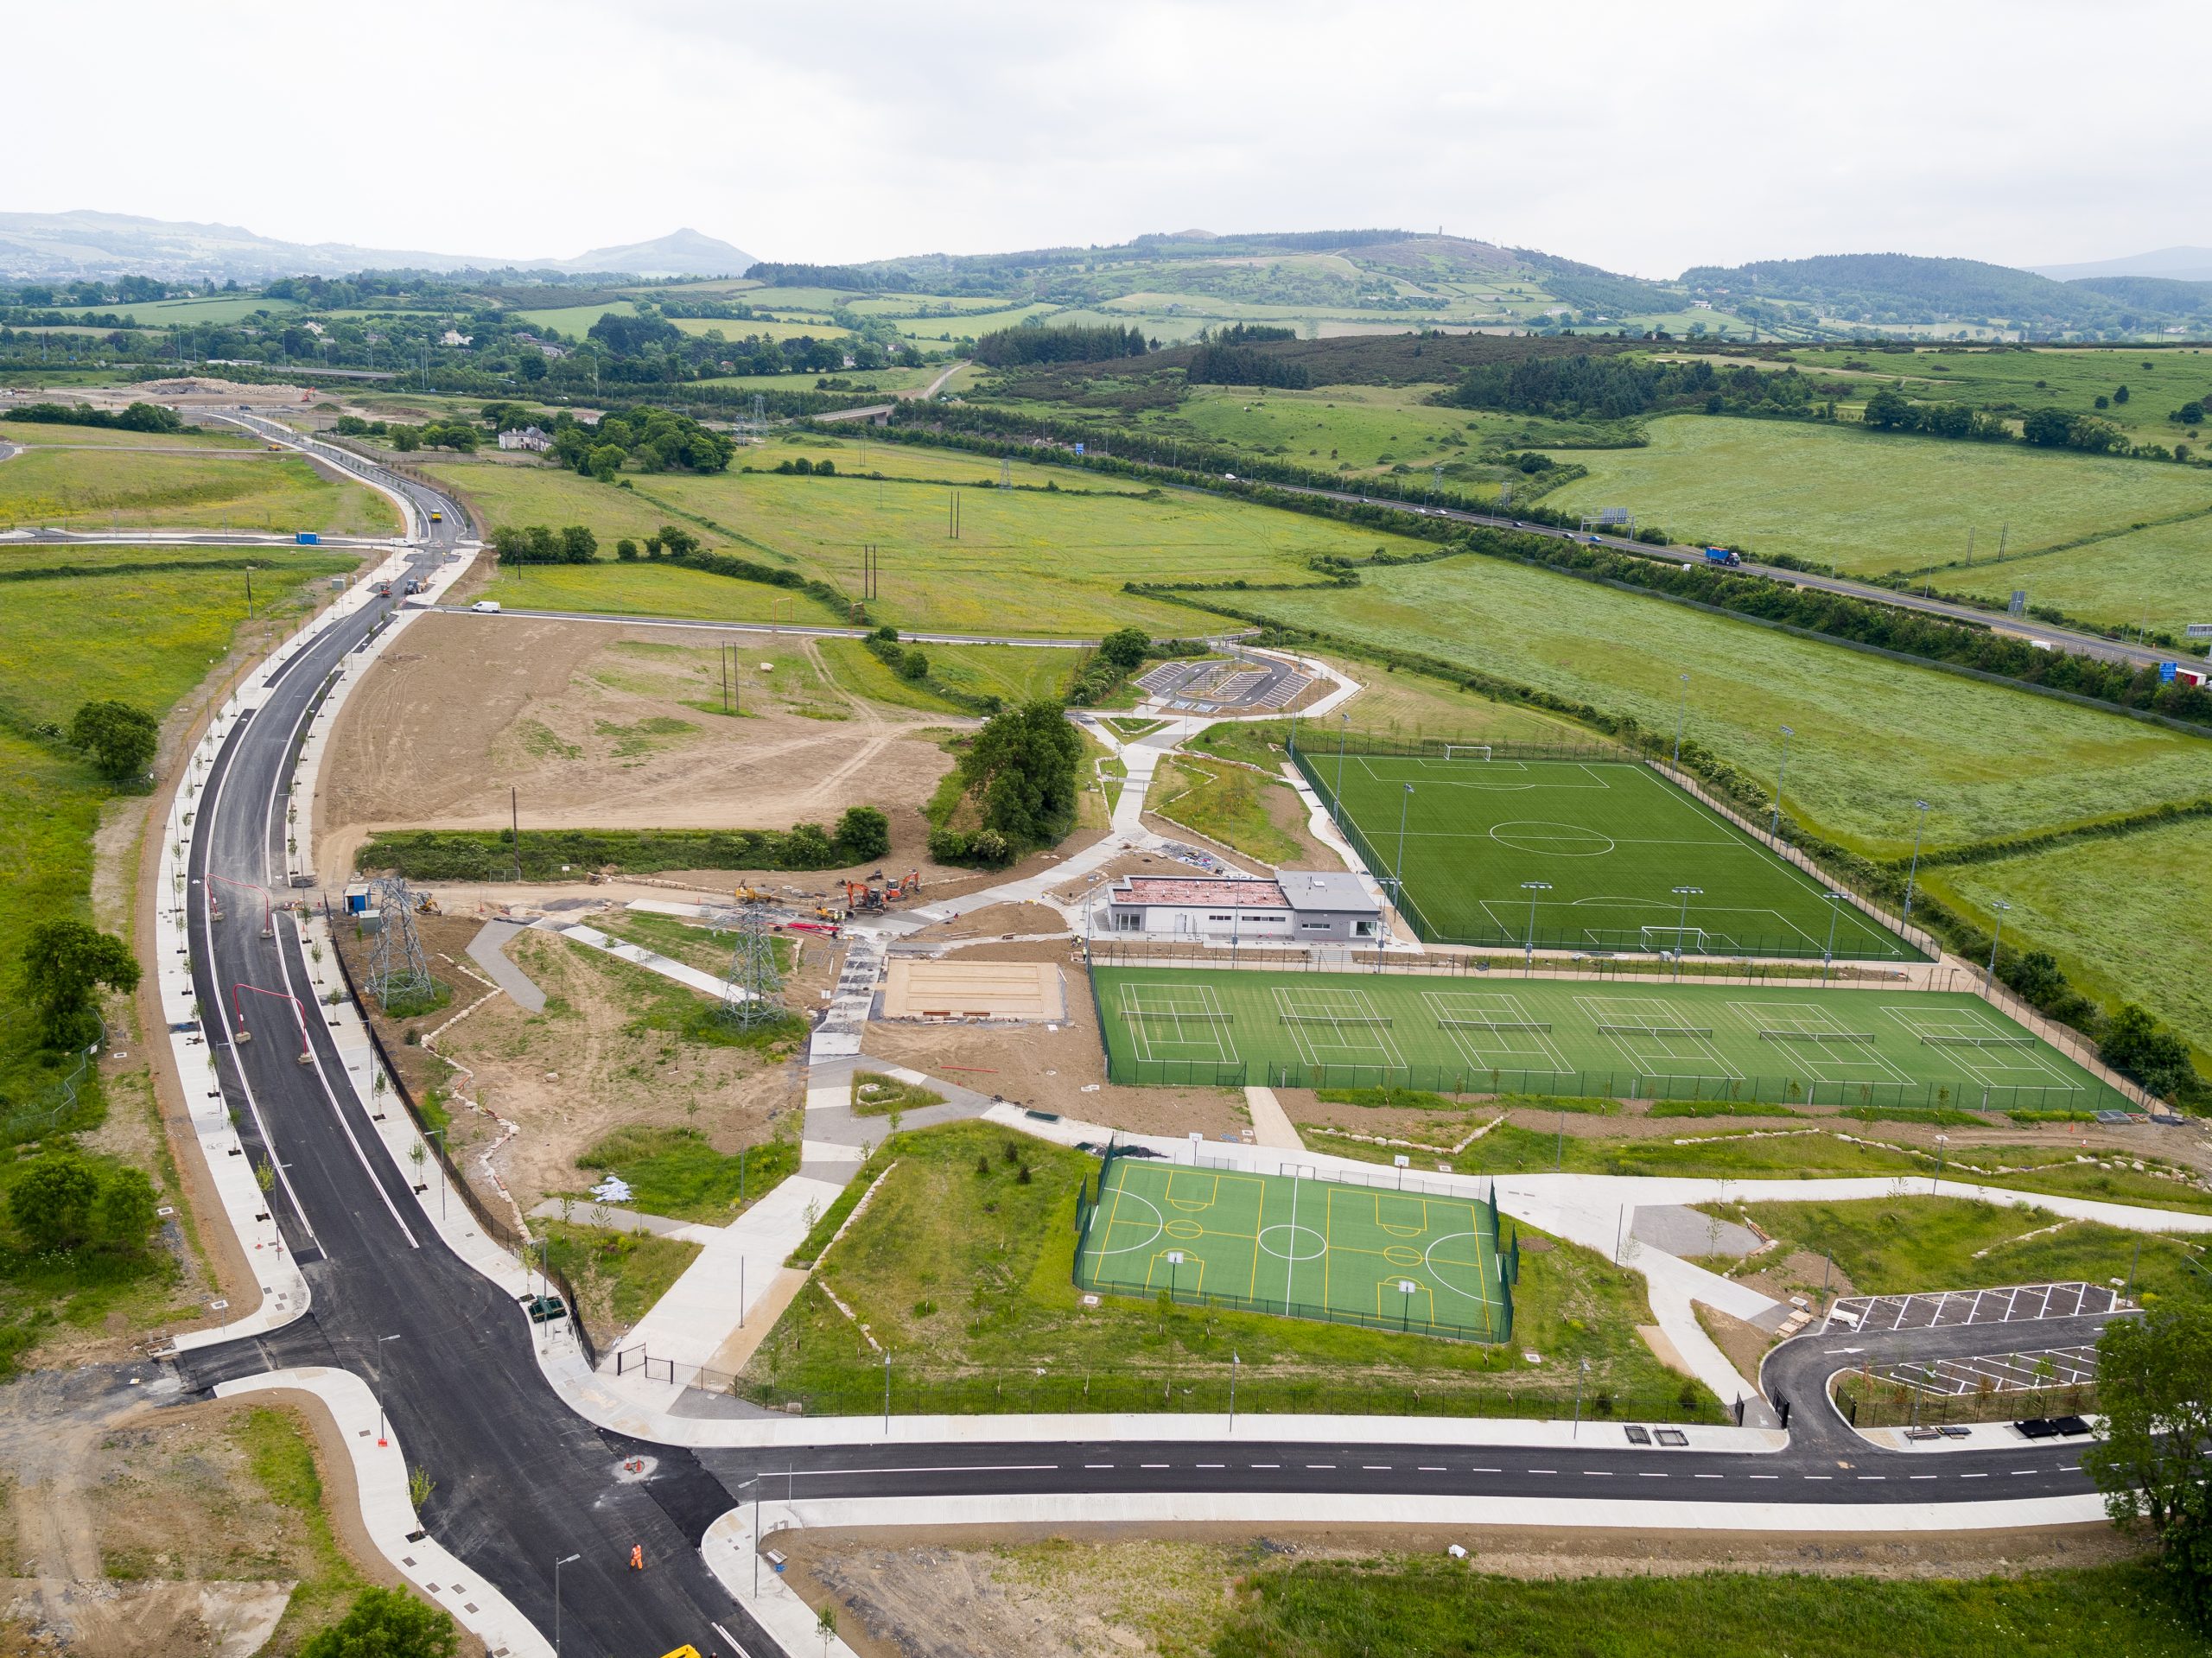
(636, 1557)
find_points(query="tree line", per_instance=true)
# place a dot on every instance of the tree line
(1029, 343)
(1614, 387)
(139, 417)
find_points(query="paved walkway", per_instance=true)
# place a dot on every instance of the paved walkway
(1271, 1124)
(488, 950)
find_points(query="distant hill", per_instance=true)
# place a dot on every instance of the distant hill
(1888, 289)
(2181, 265)
(685, 253)
(68, 245)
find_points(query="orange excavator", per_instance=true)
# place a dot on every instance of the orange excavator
(876, 894)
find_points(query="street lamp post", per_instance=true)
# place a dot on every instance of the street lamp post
(1775, 827)
(1836, 900)
(1343, 736)
(1941, 1140)
(440, 1136)
(1682, 713)
(2003, 909)
(1531, 887)
(1913, 873)
(1682, 924)
(566, 1560)
(1234, 1361)
(1580, 1377)
(381, 1439)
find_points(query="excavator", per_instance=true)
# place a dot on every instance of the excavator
(875, 893)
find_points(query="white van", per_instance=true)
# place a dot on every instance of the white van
(489, 606)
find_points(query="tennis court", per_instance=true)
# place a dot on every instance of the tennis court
(1583, 854)
(1301, 1248)
(1492, 1033)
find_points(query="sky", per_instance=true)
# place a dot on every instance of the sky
(1643, 137)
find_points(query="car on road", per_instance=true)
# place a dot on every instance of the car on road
(489, 606)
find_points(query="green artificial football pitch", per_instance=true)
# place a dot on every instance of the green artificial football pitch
(1380, 1257)
(1651, 1039)
(1584, 856)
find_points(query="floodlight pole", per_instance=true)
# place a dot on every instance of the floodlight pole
(1398, 875)
(1827, 959)
(1774, 828)
(1343, 734)
(1989, 978)
(1914, 871)
(1682, 713)
(1682, 924)
(1531, 887)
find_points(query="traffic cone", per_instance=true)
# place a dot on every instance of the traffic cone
(636, 1557)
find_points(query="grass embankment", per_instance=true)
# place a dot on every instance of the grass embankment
(86, 489)
(145, 638)
(1953, 742)
(1870, 502)
(1892, 1246)
(675, 1172)
(618, 1275)
(281, 1458)
(1227, 803)
(692, 944)
(1790, 1152)
(43, 435)
(874, 1095)
(1048, 561)
(1327, 1610)
(964, 1269)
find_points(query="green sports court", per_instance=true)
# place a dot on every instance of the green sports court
(1379, 1256)
(1622, 1038)
(1582, 854)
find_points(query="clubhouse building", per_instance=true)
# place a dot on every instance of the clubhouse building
(1304, 906)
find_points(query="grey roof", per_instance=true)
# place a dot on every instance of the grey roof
(1335, 891)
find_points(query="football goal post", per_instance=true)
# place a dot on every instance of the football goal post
(1681, 940)
(1466, 750)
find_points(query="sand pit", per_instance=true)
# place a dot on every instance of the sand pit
(611, 727)
(964, 989)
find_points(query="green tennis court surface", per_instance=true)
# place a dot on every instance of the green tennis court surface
(1376, 1256)
(1484, 1033)
(1611, 840)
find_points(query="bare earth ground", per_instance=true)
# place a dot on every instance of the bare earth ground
(993, 921)
(570, 1074)
(598, 727)
(1164, 1592)
(1035, 1065)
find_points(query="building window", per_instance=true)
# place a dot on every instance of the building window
(1315, 926)
(1221, 917)
(1363, 929)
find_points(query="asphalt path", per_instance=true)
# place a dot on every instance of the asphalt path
(2072, 639)
(519, 1480)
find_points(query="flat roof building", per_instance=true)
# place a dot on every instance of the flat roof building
(1306, 906)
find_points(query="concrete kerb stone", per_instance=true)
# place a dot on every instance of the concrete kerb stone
(381, 1475)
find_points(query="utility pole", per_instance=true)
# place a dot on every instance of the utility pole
(514, 826)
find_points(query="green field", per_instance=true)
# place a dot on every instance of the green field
(1614, 845)
(2159, 576)
(1872, 737)
(2130, 911)
(2069, 378)
(1869, 502)
(172, 313)
(1030, 560)
(42, 433)
(1486, 1034)
(92, 488)
(1308, 1249)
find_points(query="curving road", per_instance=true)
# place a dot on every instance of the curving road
(521, 1480)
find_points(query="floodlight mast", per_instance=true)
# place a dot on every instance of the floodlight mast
(1774, 828)
(1682, 924)
(1533, 887)
(1827, 957)
(1919, 825)
(1682, 713)
(2003, 909)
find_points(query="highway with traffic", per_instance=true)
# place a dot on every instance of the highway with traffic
(520, 1480)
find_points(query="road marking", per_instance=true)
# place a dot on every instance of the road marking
(1433, 1468)
(2018, 1471)
(1651, 1477)
(1920, 1476)
(1321, 1464)
(1974, 1477)
(1213, 1465)
(942, 1468)
(1098, 1465)
(1376, 1467)
(1152, 1465)
(1873, 1477)
(1266, 1464)
(1543, 1471)
(1597, 1473)
(1819, 1477)
(1756, 1476)
(1488, 1471)
(1708, 1477)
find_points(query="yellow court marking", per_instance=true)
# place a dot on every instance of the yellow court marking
(1187, 1180)
(1172, 1273)
(1182, 1228)
(1399, 1255)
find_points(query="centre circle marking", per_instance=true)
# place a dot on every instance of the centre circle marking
(1181, 1229)
(1399, 1255)
(1298, 1240)
(1554, 840)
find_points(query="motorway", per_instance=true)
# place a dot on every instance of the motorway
(520, 1480)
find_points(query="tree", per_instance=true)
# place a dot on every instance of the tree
(2049, 427)
(121, 738)
(1022, 769)
(2134, 1043)
(123, 1214)
(2120, 394)
(386, 1623)
(1125, 647)
(913, 666)
(2189, 414)
(578, 544)
(1887, 411)
(51, 1203)
(64, 963)
(2154, 1461)
(625, 548)
(863, 833)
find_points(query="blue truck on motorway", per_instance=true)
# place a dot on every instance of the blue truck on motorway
(1721, 555)
(307, 538)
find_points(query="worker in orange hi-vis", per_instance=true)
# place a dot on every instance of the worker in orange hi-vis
(636, 1557)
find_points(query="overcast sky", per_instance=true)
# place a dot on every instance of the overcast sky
(1643, 138)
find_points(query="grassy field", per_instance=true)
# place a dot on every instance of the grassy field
(1870, 502)
(2129, 912)
(1613, 845)
(1341, 1253)
(1044, 562)
(1872, 735)
(648, 589)
(1010, 672)
(89, 488)
(1360, 1610)
(2158, 576)
(675, 1172)
(1227, 803)
(173, 313)
(2069, 378)
(1555, 1036)
(38, 432)
(1894, 1246)
(963, 1267)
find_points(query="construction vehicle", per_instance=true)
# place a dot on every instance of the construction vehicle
(754, 895)
(426, 904)
(863, 897)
